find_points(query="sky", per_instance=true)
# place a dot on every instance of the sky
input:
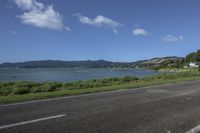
(113, 30)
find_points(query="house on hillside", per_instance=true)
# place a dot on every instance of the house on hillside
(194, 64)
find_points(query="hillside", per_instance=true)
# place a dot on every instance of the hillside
(87, 63)
(64, 64)
(154, 62)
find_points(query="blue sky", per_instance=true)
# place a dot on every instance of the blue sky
(114, 30)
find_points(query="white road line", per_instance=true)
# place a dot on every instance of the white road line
(32, 121)
(85, 95)
(194, 130)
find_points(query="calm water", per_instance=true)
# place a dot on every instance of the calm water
(67, 74)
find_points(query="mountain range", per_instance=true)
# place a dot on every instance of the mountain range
(88, 63)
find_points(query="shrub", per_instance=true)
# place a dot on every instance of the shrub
(6, 91)
(128, 79)
(67, 85)
(199, 68)
(24, 84)
(21, 90)
(51, 87)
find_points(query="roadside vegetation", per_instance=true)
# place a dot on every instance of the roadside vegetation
(23, 91)
(20, 88)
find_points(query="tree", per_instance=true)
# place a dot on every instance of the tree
(179, 63)
(197, 56)
(190, 57)
(199, 68)
(193, 57)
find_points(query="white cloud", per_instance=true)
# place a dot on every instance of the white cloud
(13, 32)
(171, 38)
(39, 15)
(140, 32)
(29, 4)
(99, 21)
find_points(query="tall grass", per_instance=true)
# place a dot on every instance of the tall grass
(23, 91)
(20, 88)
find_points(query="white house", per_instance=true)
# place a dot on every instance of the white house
(193, 65)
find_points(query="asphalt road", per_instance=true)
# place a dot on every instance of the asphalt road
(161, 109)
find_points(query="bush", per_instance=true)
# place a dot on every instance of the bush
(67, 85)
(128, 79)
(20, 90)
(24, 84)
(199, 68)
(4, 91)
(51, 87)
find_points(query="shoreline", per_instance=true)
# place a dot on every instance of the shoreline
(28, 91)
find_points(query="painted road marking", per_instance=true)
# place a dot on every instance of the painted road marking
(32, 121)
(194, 130)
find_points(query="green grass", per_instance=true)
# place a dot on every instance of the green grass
(24, 91)
(178, 70)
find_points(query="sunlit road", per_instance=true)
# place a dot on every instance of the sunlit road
(161, 109)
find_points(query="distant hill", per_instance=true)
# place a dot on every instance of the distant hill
(154, 63)
(157, 61)
(87, 63)
(64, 64)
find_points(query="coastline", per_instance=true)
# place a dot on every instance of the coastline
(53, 89)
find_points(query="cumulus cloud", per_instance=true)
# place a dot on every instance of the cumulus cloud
(99, 21)
(140, 32)
(39, 15)
(28, 4)
(173, 39)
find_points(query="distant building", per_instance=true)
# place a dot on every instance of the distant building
(193, 65)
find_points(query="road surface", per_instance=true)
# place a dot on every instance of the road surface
(160, 109)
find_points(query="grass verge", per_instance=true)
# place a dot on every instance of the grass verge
(53, 90)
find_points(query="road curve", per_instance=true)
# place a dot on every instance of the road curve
(161, 109)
